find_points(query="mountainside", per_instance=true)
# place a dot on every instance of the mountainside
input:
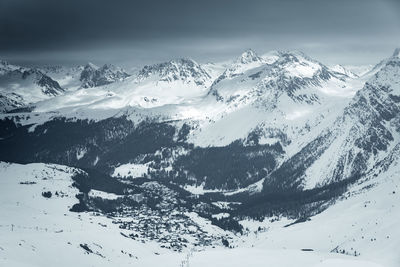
(278, 101)
(21, 86)
(87, 76)
(172, 82)
(341, 70)
(382, 63)
(67, 77)
(92, 76)
(258, 151)
(37, 199)
(184, 70)
(247, 60)
(363, 135)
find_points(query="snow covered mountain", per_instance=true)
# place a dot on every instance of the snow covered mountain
(289, 72)
(67, 77)
(280, 101)
(93, 76)
(343, 70)
(185, 70)
(260, 151)
(380, 65)
(364, 135)
(172, 82)
(247, 60)
(89, 75)
(21, 86)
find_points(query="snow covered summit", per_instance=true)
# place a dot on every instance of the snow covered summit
(184, 70)
(93, 76)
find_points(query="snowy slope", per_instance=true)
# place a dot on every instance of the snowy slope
(41, 231)
(382, 63)
(359, 70)
(282, 100)
(367, 131)
(363, 222)
(344, 71)
(273, 257)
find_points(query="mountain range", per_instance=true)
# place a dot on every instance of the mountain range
(258, 149)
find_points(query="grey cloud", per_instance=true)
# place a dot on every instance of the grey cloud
(139, 31)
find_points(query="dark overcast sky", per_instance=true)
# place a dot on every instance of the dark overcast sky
(133, 32)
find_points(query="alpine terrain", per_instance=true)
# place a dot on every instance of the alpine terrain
(262, 160)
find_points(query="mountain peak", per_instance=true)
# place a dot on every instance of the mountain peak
(294, 55)
(108, 66)
(90, 65)
(184, 61)
(396, 53)
(92, 75)
(174, 64)
(184, 69)
(340, 69)
(248, 56)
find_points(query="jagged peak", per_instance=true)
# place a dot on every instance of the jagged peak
(90, 65)
(338, 68)
(296, 58)
(108, 66)
(174, 65)
(390, 60)
(248, 56)
(93, 76)
(111, 67)
(184, 61)
(396, 53)
(294, 55)
(184, 69)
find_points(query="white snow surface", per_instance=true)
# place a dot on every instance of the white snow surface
(130, 170)
(38, 231)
